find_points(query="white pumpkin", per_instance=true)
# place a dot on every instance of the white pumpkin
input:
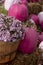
(40, 15)
(41, 45)
(8, 3)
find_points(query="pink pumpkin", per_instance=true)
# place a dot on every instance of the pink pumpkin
(34, 18)
(18, 11)
(29, 43)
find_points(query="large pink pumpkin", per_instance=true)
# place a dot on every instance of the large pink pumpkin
(18, 11)
(28, 45)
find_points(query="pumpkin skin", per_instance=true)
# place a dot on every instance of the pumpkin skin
(8, 3)
(18, 11)
(35, 18)
(28, 45)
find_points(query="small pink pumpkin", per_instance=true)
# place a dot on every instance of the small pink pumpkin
(34, 18)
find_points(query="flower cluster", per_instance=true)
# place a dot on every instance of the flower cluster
(10, 29)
